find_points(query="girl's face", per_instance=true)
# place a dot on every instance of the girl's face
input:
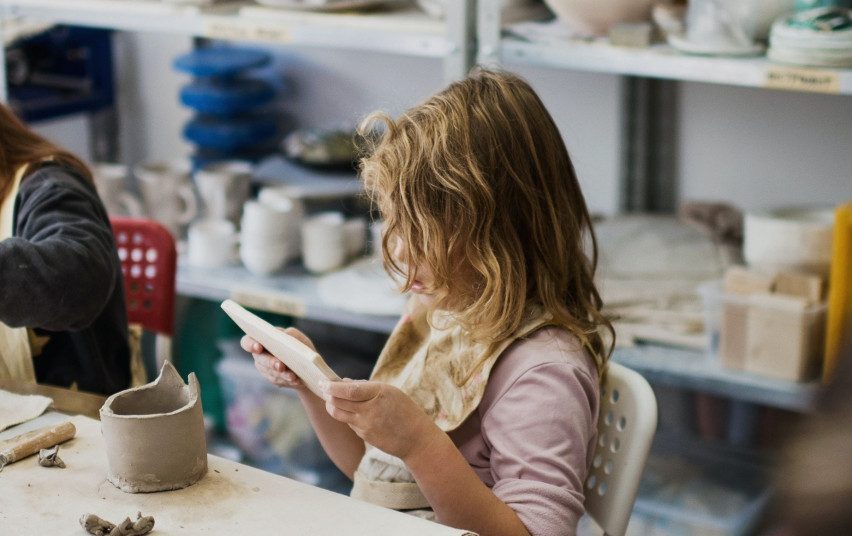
(423, 284)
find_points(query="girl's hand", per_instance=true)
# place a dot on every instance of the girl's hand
(381, 415)
(270, 367)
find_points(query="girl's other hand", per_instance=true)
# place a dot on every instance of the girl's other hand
(270, 367)
(381, 415)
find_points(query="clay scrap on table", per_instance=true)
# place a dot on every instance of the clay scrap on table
(154, 435)
(50, 458)
(101, 527)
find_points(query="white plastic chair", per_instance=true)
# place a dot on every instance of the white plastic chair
(626, 426)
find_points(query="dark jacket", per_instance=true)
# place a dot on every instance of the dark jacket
(60, 276)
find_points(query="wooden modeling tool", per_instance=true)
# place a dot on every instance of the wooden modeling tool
(30, 443)
(308, 365)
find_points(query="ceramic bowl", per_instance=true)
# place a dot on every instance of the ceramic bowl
(263, 260)
(789, 239)
(596, 17)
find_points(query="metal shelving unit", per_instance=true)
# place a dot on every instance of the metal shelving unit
(403, 30)
(690, 369)
(409, 32)
(666, 366)
(294, 293)
(657, 61)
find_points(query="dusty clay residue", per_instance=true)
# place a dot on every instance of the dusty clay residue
(154, 435)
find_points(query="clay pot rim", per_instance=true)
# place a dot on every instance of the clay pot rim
(194, 387)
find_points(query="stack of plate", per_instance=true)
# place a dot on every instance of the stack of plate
(817, 37)
(323, 5)
(232, 120)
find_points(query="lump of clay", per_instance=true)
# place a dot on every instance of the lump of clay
(101, 527)
(154, 435)
(50, 458)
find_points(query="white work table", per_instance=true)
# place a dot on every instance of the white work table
(231, 499)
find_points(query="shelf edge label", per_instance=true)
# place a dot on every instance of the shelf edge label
(246, 31)
(794, 79)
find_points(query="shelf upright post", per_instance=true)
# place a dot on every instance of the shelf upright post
(649, 148)
(461, 34)
(488, 29)
(4, 88)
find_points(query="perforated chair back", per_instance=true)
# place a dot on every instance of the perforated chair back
(626, 427)
(149, 264)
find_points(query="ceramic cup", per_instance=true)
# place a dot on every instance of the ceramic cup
(111, 183)
(224, 187)
(281, 197)
(355, 231)
(324, 242)
(212, 243)
(266, 243)
(261, 221)
(168, 194)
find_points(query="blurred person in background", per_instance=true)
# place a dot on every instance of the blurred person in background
(62, 316)
(814, 479)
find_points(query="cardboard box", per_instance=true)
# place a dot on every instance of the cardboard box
(772, 335)
(807, 286)
(732, 334)
(744, 282)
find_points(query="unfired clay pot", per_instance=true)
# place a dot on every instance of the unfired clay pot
(595, 17)
(154, 435)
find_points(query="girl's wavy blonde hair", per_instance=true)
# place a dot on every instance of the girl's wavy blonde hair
(478, 184)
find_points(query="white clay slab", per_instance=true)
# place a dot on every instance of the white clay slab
(304, 362)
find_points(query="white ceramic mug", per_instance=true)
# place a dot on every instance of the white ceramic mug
(224, 187)
(281, 197)
(262, 220)
(324, 242)
(212, 243)
(168, 193)
(355, 231)
(111, 183)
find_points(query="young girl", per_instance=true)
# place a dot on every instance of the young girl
(62, 315)
(482, 407)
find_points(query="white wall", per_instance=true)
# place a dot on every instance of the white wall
(150, 115)
(587, 109)
(70, 132)
(762, 149)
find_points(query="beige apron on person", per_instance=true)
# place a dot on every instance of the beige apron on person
(16, 361)
(445, 372)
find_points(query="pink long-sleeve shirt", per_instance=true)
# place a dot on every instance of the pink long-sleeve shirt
(531, 440)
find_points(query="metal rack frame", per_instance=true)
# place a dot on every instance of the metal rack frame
(472, 31)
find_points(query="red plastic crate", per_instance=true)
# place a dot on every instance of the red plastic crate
(149, 265)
